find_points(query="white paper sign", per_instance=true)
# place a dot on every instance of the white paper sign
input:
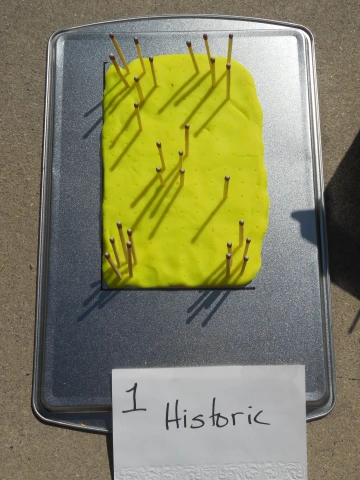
(210, 423)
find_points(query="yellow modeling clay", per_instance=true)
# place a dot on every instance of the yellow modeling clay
(181, 222)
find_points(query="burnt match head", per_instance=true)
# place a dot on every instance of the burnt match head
(228, 66)
(212, 60)
(241, 222)
(182, 171)
(112, 56)
(181, 153)
(112, 36)
(231, 35)
(136, 79)
(227, 178)
(112, 240)
(107, 255)
(136, 105)
(136, 41)
(128, 244)
(205, 36)
(188, 44)
(151, 59)
(129, 232)
(158, 144)
(228, 256)
(119, 225)
(187, 126)
(248, 240)
(229, 244)
(158, 169)
(246, 258)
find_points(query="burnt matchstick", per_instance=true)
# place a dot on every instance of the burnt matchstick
(113, 244)
(228, 80)
(182, 176)
(226, 186)
(129, 258)
(181, 156)
(230, 43)
(120, 53)
(187, 139)
(228, 264)
(246, 259)
(122, 238)
(139, 89)
(241, 232)
(248, 241)
(230, 250)
(158, 144)
(151, 60)
(117, 68)
(159, 174)
(137, 110)
(131, 240)
(212, 67)
(192, 57)
(137, 44)
(113, 266)
(205, 37)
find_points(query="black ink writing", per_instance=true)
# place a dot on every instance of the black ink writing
(134, 409)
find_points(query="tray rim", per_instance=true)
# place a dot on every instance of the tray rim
(67, 419)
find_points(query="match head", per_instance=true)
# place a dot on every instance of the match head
(136, 40)
(128, 244)
(112, 56)
(151, 59)
(112, 240)
(228, 66)
(136, 79)
(182, 171)
(107, 255)
(158, 169)
(136, 105)
(158, 144)
(241, 222)
(228, 256)
(212, 60)
(227, 178)
(181, 153)
(205, 36)
(188, 44)
(111, 35)
(129, 232)
(248, 240)
(231, 35)
(119, 225)
(187, 126)
(229, 244)
(246, 258)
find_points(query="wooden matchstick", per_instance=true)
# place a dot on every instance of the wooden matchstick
(228, 264)
(117, 68)
(113, 266)
(151, 60)
(139, 89)
(131, 240)
(228, 80)
(158, 170)
(137, 110)
(192, 57)
(122, 238)
(205, 37)
(229, 247)
(129, 258)
(158, 144)
(212, 67)
(120, 53)
(137, 44)
(248, 241)
(226, 186)
(229, 48)
(187, 135)
(181, 156)
(246, 259)
(241, 232)
(182, 177)
(113, 244)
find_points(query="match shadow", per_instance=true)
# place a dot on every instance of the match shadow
(192, 89)
(92, 109)
(207, 221)
(178, 91)
(216, 111)
(166, 191)
(144, 191)
(124, 152)
(116, 100)
(356, 319)
(168, 206)
(124, 128)
(98, 299)
(206, 302)
(146, 207)
(92, 128)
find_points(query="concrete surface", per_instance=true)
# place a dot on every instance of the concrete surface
(32, 450)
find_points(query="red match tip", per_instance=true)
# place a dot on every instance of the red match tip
(205, 36)
(188, 44)
(111, 35)
(136, 40)
(228, 66)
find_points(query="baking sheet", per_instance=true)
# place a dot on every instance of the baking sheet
(282, 317)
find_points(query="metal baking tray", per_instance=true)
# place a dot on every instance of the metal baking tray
(283, 317)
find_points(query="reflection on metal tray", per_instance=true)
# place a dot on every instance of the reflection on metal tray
(83, 331)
